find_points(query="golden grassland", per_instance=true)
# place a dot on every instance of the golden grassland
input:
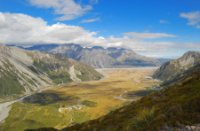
(105, 95)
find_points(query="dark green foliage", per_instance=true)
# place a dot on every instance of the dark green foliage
(59, 78)
(9, 83)
(87, 73)
(47, 98)
(89, 103)
(53, 70)
(142, 120)
(141, 93)
(33, 69)
(44, 66)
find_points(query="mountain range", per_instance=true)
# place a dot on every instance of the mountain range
(23, 72)
(98, 56)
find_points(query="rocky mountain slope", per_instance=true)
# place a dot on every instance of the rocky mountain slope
(100, 57)
(175, 107)
(172, 69)
(22, 72)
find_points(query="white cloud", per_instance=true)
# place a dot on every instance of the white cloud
(137, 35)
(67, 9)
(153, 48)
(90, 20)
(193, 18)
(20, 28)
(23, 29)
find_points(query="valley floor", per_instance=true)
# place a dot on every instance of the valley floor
(80, 102)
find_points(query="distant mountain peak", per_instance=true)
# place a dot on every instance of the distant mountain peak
(193, 54)
(100, 57)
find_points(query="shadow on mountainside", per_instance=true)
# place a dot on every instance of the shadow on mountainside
(48, 98)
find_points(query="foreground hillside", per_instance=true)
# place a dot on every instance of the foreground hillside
(174, 108)
(100, 57)
(22, 72)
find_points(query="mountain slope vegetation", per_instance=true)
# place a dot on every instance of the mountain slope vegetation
(22, 72)
(174, 68)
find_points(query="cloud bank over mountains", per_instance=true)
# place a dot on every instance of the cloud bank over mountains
(16, 28)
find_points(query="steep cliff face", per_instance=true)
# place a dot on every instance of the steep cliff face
(176, 67)
(22, 72)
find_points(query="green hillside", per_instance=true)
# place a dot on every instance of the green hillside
(23, 72)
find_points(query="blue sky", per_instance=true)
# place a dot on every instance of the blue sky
(173, 24)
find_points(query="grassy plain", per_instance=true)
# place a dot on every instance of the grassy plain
(96, 99)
